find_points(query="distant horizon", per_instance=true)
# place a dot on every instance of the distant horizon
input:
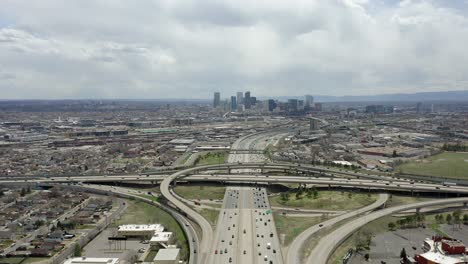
(209, 99)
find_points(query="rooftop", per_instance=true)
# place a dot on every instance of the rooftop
(161, 237)
(151, 227)
(167, 254)
(86, 260)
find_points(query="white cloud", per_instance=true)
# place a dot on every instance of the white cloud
(170, 48)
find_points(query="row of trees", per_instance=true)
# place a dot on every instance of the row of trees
(455, 147)
(408, 222)
(418, 219)
(456, 218)
(310, 193)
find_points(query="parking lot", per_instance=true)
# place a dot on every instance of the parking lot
(124, 250)
(387, 246)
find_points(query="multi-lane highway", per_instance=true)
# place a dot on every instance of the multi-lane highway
(246, 232)
(366, 184)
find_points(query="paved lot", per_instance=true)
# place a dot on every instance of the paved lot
(387, 246)
(101, 246)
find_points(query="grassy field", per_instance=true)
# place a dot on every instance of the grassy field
(210, 215)
(395, 200)
(200, 192)
(211, 158)
(447, 164)
(143, 213)
(293, 226)
(328, 200)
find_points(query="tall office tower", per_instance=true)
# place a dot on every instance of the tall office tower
(318, 107)
(271, 105)
(293, 105)
(247, 102)
(217, 99)
(233, 103)
(309, 100)
(300, 105)
(240, 98)
(253, 100)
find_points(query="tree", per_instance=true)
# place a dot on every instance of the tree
(465, 219)
(23, 192)
(403, 255)
(316, 193)
(300, 191)
(77, 252)
(394, 154)
(298, 195)
(362, 239)
(457, 217)
(448, 218)
(391, 226)
(283, 197)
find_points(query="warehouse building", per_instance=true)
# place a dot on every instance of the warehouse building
(139, 230)
(167, 256)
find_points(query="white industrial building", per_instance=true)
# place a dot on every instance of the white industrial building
(167, 256)
(162, 237)
(85, 260)
(139, 230)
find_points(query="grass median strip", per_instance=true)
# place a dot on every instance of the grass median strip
(194, 192)
(326, 200)
(292, 226)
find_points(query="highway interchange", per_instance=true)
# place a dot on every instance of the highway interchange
(246, 212)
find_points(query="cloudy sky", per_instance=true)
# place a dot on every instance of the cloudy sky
(189, 49)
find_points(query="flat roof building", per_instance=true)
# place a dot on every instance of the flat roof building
(86, 260)
(167, 256)
(162, 237)
(139, 230)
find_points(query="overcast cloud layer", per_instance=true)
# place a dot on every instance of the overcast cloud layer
(189, 49)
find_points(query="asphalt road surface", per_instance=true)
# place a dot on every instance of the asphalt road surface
(295, 249)
(246, 232)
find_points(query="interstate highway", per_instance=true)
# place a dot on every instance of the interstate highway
(244, 229)
(399, 185)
